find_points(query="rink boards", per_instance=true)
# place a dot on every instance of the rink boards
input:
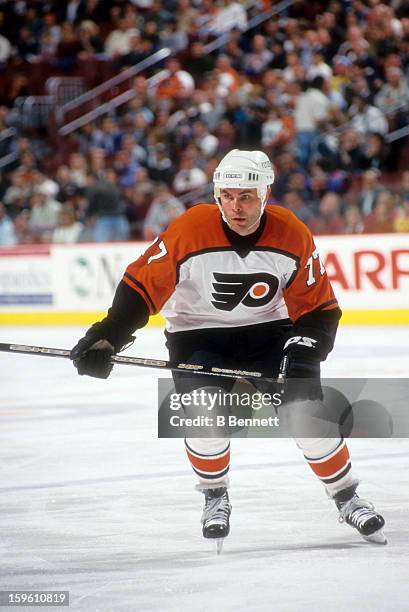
(74, 284)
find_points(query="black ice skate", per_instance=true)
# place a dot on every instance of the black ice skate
(361, 514)
(216, 514)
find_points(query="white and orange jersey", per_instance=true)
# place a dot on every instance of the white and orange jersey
(198, 279)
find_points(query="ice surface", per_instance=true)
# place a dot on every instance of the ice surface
(92, 502)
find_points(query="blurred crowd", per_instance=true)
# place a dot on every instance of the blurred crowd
(322, 88)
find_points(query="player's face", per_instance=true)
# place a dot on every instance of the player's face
(241, 208)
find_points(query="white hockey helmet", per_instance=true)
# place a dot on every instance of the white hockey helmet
(246, 170)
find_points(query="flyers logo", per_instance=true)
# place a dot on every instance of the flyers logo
(251, 290)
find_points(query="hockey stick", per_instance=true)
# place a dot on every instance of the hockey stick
(24, 349)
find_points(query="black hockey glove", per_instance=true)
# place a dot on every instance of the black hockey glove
(300, 369)
(93, 358)
(92, 355)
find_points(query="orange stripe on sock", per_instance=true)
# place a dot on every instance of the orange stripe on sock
(209, 464)
(326, 469)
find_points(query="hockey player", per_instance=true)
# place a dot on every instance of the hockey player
(240, 285)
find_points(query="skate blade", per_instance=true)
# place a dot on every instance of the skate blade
(219, 545)
(376, 538)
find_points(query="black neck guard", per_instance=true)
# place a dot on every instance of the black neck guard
(243, 244)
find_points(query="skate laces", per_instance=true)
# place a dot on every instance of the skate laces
(356, 511)
(217, 509)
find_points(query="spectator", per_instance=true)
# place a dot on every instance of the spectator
(367, 118)
(95, 10)
(375, 152)
(160, 165)
(125, 168)
(207, 143)
(140, 129)
(172, 37)
(150, 34)
(249, 132)
(5, 49)
(27, 44)
(51, 26)
(317, 185)
(104, 208)
(136, 208)
(68, 228)
(23, 233)
(350, 156)
(329, 220)
(175, 83)
(227, 78)
(143, 182)
(204, 18)
(47, 48)
(188, 177)
(401, 220)
(74, 10)
(18, 87)
(5, 117)
(25, 148)
(16, 194)
(286, 164)
(403, 47)
(198, 62)
(355, 44)
(293, 67)
(84, 136)
(45, 183)
(277, 129)
(159, 14)
(66, 187)
(370, 190)
(68, 47)
(404, 189)
(187, 15)
(311, 109)
(342, 76)
(357, 49)
(44, 213)
(394, 93)
(297, 181)
(89, 38)
(28, 166)
(117, 42)
(296, 204)
(137, 153)
(78, 169)
(380, 221)
(107, 137)
(164, 208)
(226, 135)
(7, 232)
(230, 15)
(143, 102)
(97, 162)
(318, 67)
(354, 222)
(140, 197)
(139, 50)
(257, 61)
(210, 106)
